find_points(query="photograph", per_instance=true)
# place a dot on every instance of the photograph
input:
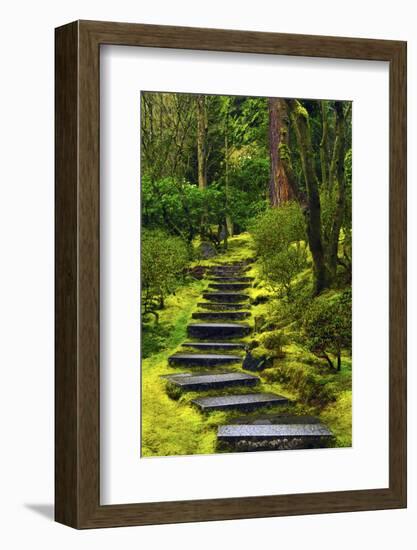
(246, 273)
(209, 257)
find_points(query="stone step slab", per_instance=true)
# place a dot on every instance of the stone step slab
(231, 297)
(214, 331)
(232, 263)
(220, 306)
(202, 359)
(234, 287)
(214, 345)
(202, 381)
(223, 315)
(228, 271)
(248, 401)
(233, 432)
(232, 279)
(229, 264)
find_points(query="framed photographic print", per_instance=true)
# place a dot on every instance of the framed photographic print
(230, 274)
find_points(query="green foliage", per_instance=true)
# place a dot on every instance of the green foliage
(279, 235)
(163, 260)
(177, 215)
(274, 341)
(174, 392)
(171, 425)
(345, 258)
(312, 388)
(179, 207)
(168, 123)
(247, 188)
(327, 326)
(176, 206)
(153, 339)
(277, 228)
(281, 268)
(248, 119)
(338, 417)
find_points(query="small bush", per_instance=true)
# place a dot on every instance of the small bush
(260, 298)
(327, 326)
(164, 259)
(275, 342)
(173, 391)
(279, 236)
(277, 228)
(282, 267)
(312, 388)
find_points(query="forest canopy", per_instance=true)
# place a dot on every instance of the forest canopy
(214, 166)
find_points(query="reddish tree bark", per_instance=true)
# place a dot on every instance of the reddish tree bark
(279, 186)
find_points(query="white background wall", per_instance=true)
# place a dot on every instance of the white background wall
(26, 271)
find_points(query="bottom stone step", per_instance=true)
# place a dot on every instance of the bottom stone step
(187, 381)
(247, 401)
(271, 431)
(274, 432)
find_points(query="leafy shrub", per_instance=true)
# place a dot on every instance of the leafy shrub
(279, 236)
(274, 341)
(250, 173)
(181, 207)
(177, 206)
(277, 228)
(174, 392)
(327, 326)
(281, 268)
(312, 388)
(163, 260)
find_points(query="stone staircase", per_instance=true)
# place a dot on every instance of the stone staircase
(214, 343)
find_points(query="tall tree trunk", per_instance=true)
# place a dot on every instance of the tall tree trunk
(324, 151)
(312, 212)
(202, 155)
(279, 186)
(201, 141)
(338, 175)
(273, 151)
(229, 229)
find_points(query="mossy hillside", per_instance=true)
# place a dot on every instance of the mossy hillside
(317, 390)
(174, 426)
(171, 425)
(168, 428)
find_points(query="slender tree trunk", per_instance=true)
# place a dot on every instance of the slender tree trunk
(339, 361)
(300, 119)
(338, 175)
(201, 141)
(273, 151)
(323, 355)
(229, 229)
(202, 155)
(279, 186)
(284, 187)
(324, 152)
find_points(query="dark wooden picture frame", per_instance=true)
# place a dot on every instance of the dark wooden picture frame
(77, 405)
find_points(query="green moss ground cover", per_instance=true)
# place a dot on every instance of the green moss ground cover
(171, 425)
